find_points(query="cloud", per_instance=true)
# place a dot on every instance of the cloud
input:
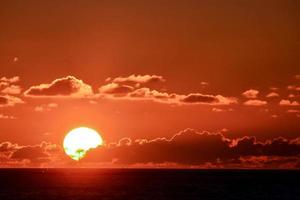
(192, 148)
(10, 80)
(12, 90)
(293, 87)
(8, 100)
(249, 146)
(2, 116)
(7, 146)
(129, 93)
(272, 94)
(31, 155)
(137, 79)
(291, 96)
(121, 87)
(217, 110)
(285, 102)
(182, 148)
(255, 102)
(293, 111)
(4, 84)
(250, 94)
(146, 93)
(115, 88)
(7, 89)
(274, 88)
(204, 84)
(63, 87)
(274, 116)
(198, 98)
(127, 88)
(46, 107)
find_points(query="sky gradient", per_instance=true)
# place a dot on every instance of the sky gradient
(166, 84)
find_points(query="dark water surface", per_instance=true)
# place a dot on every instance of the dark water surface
(86, 184)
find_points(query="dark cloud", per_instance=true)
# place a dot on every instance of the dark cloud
(68, 86)
(127, 92)
(115, 88)
(187, 147)
(32, 154)
(190, 147)
(7, 146)
(199, 98)
(3, 100)
(248, 146)
(8, 100)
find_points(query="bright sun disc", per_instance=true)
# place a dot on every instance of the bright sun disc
(80, 140)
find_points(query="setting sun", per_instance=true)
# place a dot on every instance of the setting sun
(80, 140)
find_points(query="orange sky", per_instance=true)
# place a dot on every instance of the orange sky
(149, 69)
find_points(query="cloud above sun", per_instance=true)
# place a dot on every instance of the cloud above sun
(150, 88)
(63, 87)
(134, 87)
(255, 102)
(285, 102)
(137, 79)
(251, 94)
(140, 88)
(9, 91)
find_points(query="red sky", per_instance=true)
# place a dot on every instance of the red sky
(148, 70)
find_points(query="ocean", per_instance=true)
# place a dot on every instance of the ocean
(91, 184)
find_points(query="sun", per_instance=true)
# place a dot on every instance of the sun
(80, 140)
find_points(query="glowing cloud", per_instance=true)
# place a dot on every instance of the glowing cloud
(63, 87)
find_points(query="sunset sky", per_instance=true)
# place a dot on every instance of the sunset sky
(166, 83)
